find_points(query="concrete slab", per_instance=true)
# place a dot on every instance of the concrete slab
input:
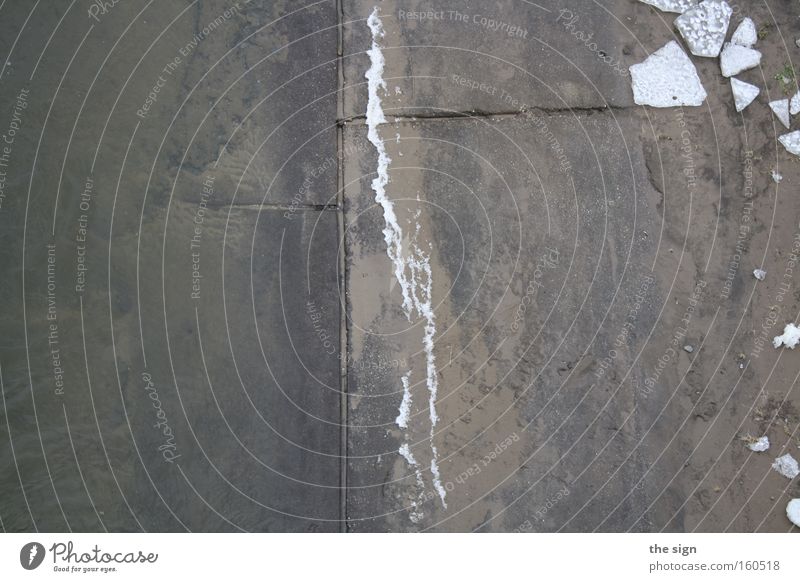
(534, 250)
(453, 56)
(240, 380)
(601, 350)
(254, 415)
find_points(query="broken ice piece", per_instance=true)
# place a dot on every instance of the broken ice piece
(745, 34)
(781, 110)
(760, 274)
(667, 78)
(776, 177)
(679, 6)
(794, 104)
(791, 141)
(790, 337)
(735, 59)
(760, 445)
(743, 93)
(786, 466)
(704, 26)
(793, 511)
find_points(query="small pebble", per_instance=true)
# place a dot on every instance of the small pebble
(688, 349)
(759, 274)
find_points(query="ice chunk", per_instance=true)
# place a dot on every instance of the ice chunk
(745, 34)
(786, 466)
(679, 6)
(793, 511)
(667, 78)
(704, 26)
(791, 141)
(790, 337)
(735, 59)
(781, 110)
(759, 445)
(760, 274)
(794, 104)
(743, 93)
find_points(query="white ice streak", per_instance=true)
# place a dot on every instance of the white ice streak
(422, 283)
(404, 412)
(392, 233)
(411, 266)
(416, 514)
(437, 478)
(405, 450)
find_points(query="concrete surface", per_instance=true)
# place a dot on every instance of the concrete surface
(202, 330)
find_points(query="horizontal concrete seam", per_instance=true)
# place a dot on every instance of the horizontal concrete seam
(359, 119)
(274, 206)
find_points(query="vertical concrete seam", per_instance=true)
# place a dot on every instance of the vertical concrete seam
(343, 328)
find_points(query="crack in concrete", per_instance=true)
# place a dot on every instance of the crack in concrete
(428, 115)
(344, 329)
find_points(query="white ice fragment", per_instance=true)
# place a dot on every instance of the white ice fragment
(791, 141)
(786, 466)
(735, 59)
(667, 78)
(678, 6)
(776, 177)
(745, 34)
(781, 110)
(760, 274)
(704, 26)
(404, 412)
(793, 511)
(760, 445)
(794, 104)
(743, 93)
(790, 337)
